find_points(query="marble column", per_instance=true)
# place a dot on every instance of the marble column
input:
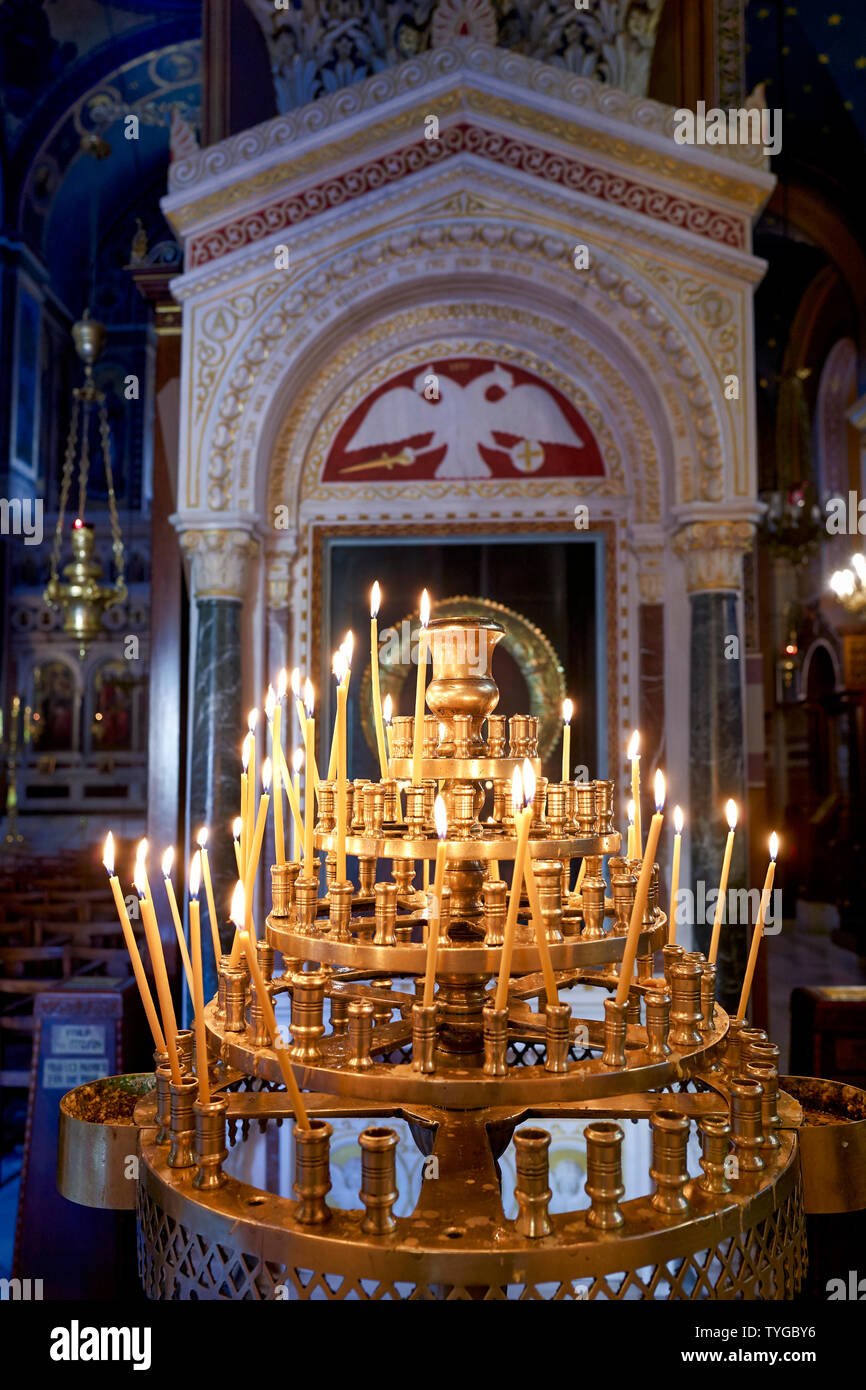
(219, 578)
(713, 551)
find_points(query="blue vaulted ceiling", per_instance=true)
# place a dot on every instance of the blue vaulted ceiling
(68, 67)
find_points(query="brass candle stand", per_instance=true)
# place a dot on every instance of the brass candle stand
(466, 1075)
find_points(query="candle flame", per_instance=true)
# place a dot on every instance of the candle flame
(253, 720)
(139, 879)
(387, 707)
(270, 704)
(201, 837)
(167, 861)
(195, 874)
(108, 853)
(567, 711)
(659, 788)
(282, 683)
(679, 819)
(425, 608)
(238, 907)
(528, 782)
(309, 697)
(296, 683)
(629, 810)
(731, 813)
(298, 759)
(633, 746)
(141, 852)
(516, 789)
(774, 846)
(375, 600)
(266, 774)
(440, 816)
(347, 647)
(237, 827)
(340, 666)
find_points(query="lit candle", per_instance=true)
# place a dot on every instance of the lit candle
(629, 810)
(538, 922)
(420, 690)
(141, 858)
(642, 893)
(201, 841)
(340, 671)
(251, 782)
(201, 1058)
(759, 927)
(299, 704)
(237, 914)
(167, 861)
(297, 825)
(160, 974)
(633, 753)
(344, 652)
(279, 829)
(245, 828)
(267, 1008)
(375, 600)
(237, 831)
(521, 825)
(731, 813)
(292, 794)
(312, 768)
(675, 874)
(347, 647)
(440, 816)
(567, 712)
(256, 849)
(309, 743)
(132, 946)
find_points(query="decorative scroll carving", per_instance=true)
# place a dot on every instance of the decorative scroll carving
(713, 552)
(220, 562)
(524, 77)
(322, 46)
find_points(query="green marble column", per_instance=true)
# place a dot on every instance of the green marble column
(716, 772)
(215, 761)
(717, 754)
(220, 564)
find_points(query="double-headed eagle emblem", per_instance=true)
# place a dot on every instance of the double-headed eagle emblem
(462, 420)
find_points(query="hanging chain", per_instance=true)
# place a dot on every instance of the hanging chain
(68, 461)
(84, 465)
(116, 537)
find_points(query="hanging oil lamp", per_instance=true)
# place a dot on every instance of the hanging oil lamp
(80, 595)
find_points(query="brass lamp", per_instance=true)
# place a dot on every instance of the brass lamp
(80, 595)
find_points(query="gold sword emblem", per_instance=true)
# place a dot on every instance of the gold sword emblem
(393, 461)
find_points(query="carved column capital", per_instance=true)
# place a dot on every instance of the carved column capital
(278, 574)
(648, 544)
(713, 553)
(219, 561)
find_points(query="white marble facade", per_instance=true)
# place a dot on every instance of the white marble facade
(337, 245)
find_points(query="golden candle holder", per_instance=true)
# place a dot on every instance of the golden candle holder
(465, 1075)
